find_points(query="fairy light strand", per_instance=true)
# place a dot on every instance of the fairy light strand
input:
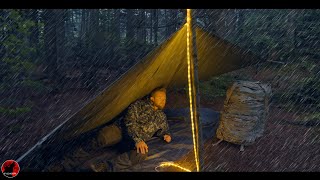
(190, 89)
(164, 164)
(196, 154)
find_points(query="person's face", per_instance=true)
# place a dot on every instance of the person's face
(159, 99)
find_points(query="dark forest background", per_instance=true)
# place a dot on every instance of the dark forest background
(52, 62)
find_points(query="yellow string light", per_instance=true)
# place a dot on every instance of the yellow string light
(175, 165)
(190, 90)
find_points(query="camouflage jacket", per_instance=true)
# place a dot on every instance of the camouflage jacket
(143, 122)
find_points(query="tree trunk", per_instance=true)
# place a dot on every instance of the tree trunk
(60, 39)
(144, 30)
(34, 36)
(50, 43)
(151, 25)
(93, 28)
(83, 31)
(141, 27)
(106, 21)
(225, 25)
(291, 28)
(232, 23)
(116, 39)
(3, 33)
(167, 22)
(239, 21)
(116, 26)
(155, 26)
(171, 21)
(129, 39)
(68, 32)
(216, 17)
(130, 30)
(174, 19)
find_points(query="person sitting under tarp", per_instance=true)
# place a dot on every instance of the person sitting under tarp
(144, 119)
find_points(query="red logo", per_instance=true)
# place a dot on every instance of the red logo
(10, 168)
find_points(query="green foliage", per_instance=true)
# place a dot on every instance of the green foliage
(34, 86)
(270, 33)
(266, 32)
(312, 116)
(304, 90)
(216, 86)
(308, 65)
(15, 111)
(15, 128)
(16, 63)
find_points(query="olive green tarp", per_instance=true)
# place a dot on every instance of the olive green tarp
(164, 66)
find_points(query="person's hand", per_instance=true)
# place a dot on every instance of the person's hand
(167, 138)
(142, 147)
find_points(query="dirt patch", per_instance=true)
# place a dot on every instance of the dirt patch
(283, 148)
(19, 135)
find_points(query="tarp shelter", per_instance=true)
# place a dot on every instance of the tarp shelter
(164, 66)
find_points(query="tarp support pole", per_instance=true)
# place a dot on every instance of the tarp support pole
(195, 92)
